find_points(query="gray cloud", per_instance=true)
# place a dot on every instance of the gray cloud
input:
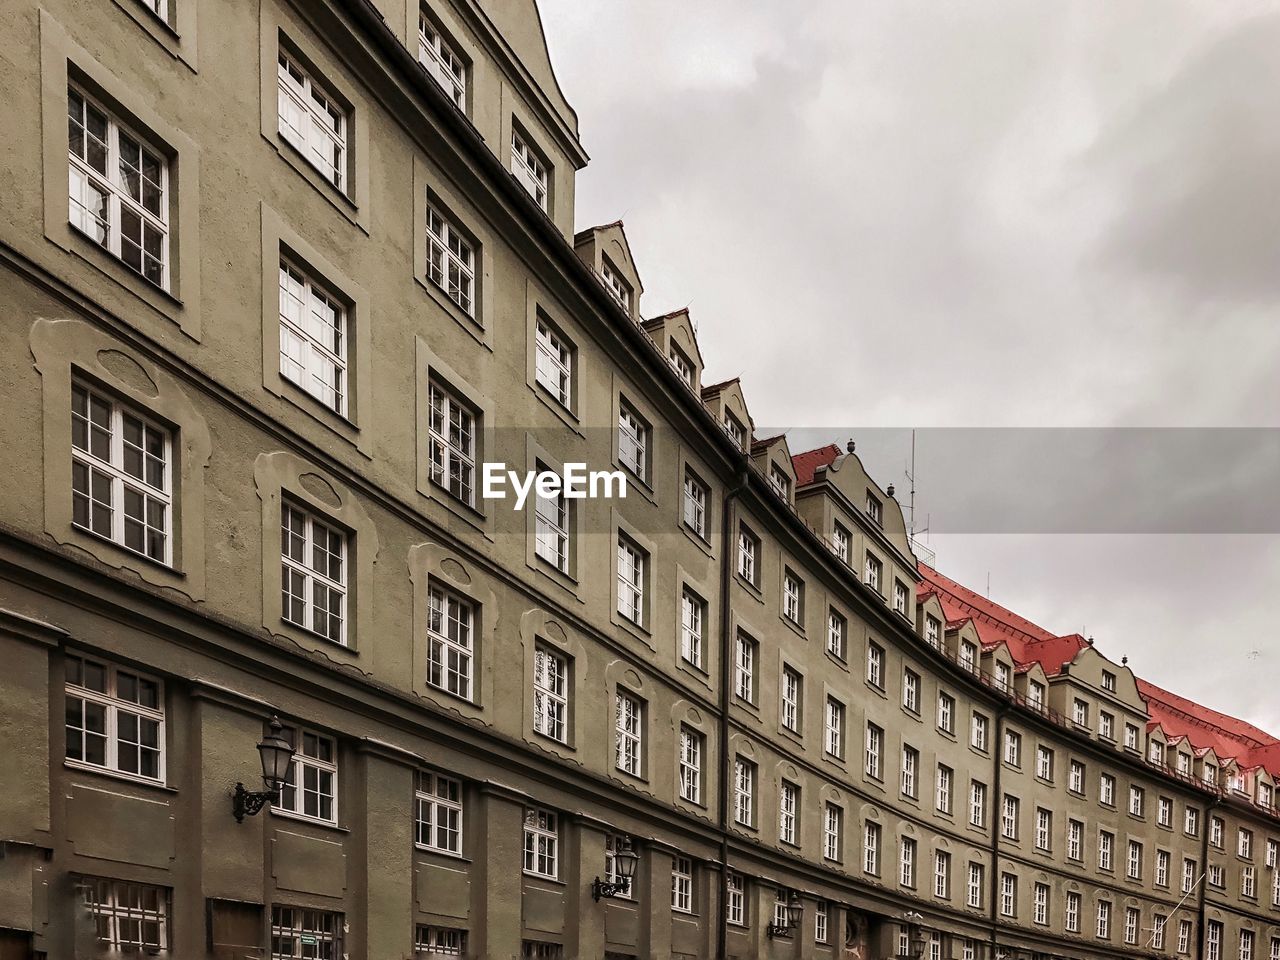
(896, 214)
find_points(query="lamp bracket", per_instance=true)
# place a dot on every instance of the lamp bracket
(248, 803)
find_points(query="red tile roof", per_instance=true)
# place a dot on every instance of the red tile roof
(806, 464)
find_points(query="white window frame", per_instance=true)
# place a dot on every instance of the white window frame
(735, 907)
(1106, 850)
(551, 529)
(431, 942)
(1044, 829)
(692, 624)
(873, 761)
(541, 843)
(695, 505)
(1008, 895)
(820, 918)
(322, 136)
(302, 578)
(442, 62)
(1103, 928)
(128, 917)
(875, 666)
(553, 363)
(101, 456)
(1075, 840)
(451, 620)
(942, 875)
(873, 569)
(833, 739)
(907, 863)
(628, 733)
(451, 259)
(900, 597)
(1071, 914)
(748, 553)
(530, 169)
(946, 712)
(944, 789)
(551, 694)
(691, 742)
(978, 732)
(1040, 903)
(633, 441)
(1044, 763)
(451, 445)
(744, 667)
(120, 717)
(832, 829)
(314, 334)
(974, 884)
(743, 790)
(311, 779)
(910, 770)
(631, 575)
(682, 885)
(788, 812)
(871, 848)
(841, 543)
(911, 690)
(1134, 861)
(977, 803)
(1009, 811)
(837, 633)
(792, 591)
(322, 930)
(780, 482)
(438, 813)
(790, 713)
(682, 365)
(117, 196)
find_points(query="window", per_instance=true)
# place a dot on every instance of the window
(442, 63)
(1131, 921)
(313, 338)
(790, 716)
(1013, 748)
(832, 830)
(840, 544)
(541, 950)
(788, 807)
(932, 631)
(1184, 764)
(1158, 924)
(744, 782)
(942, 875)
(977, 803)
(449, 643)
(875, 748)
(553, 364)
(690, 764)
(452, 444)
(1107, 790)
(792, 598)
(978, 732)
(451, 262)
(529, 169)
(780, 482)
(1162, 868)
(911, 691)
(1075, 840)
(1248, 882)
(735, 907)
(1246, 945)
(1213, 941)
(871, 849)
(1080, 712)
(631, 570)
(1188, 875)
(121, 474)
(1108, 681)
(628, 733)
(875, 666)
(438, 825)
(907, 863)
(946, 713)
(1044, 763)
(1104, 920)
(299, 932)
(1137, 801)
(1008, 895)
(872, 572)
(311, 121)
(1106, 844)
(1035, 694)
(682, 885)
(1130, 737)
(1044, 828)
(748, 555)
(551, 529)
(837, 631)
(114, 718)
(834, 728)
(736, 431)
(693, 612)
(695, 505)
(1215, 832)
(1184, 936)
(1164, 812)
(1009, 817)
(974, 885)
(432, 942)
(969, 656)
(1075, 782)
(550, 694)
(1134, 871)
(942, 798)
(900, 597)
(1155, 752)
(820, 918)
(128, 916)
(633, 441)
(1106, 725)
(744, 668)
(313, 574)
(910, 765)
(1244, 843)
(541, 843)
(1192, 823)
(118, 189)
(618, 288)
(1072, 912)
(875, 510)
(1004, 677)
(311, 786)
(682, 365)
(780, 908)
(1041, 904)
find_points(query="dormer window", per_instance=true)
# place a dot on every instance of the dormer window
(1035, 693)
(681, 364)
(441, 62)
(1184, 764)
(780, 482)
(736, 431)
(875, 509)
(840, 544)
(1108, 681)
(618, 288)
(529, 169)
(1155, 752)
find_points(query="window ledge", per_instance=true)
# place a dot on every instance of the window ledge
(459, 316)
(697, 539)
(311, 821)
(442, 854)
(567, 416)
(120, 775)
(125, 552)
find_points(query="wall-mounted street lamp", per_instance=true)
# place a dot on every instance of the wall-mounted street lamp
(782, 931)
(624, 866)
(276, 754)
(915, 934)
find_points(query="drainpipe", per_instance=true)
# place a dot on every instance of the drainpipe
(997, 815)
(1201, 929)
(726, 679)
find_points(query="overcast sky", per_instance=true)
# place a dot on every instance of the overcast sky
(992, 214)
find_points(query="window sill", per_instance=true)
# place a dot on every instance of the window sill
(337, 198)
(459, 316)
(464, 511)
(311, 821)
(122, 273)
(567, 416)
(794, 627)
(696, 538)
(442, 854)
(635, 481)
(120, 775)
(543, 878)
(125, 552)
(750, 587)
(340, 424)
(297, 630)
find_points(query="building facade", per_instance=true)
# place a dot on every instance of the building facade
(279, 279)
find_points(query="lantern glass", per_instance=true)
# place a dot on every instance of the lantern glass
(276, 753)
(625, 860)
(794, 910)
